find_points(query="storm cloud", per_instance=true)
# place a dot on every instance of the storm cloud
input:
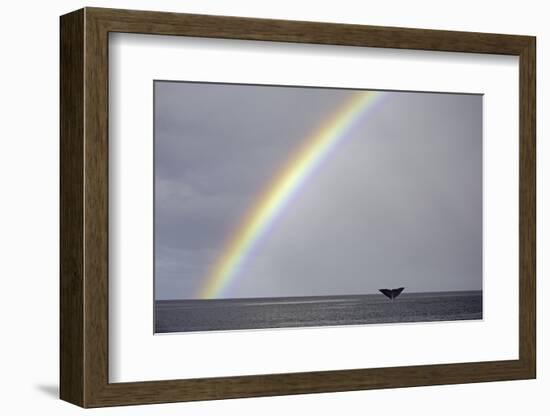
(398, 203)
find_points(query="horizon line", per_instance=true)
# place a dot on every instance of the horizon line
(315, 296)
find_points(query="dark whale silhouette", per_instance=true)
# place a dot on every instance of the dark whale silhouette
(392, 293)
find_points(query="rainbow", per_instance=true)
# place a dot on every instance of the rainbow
(272, 202)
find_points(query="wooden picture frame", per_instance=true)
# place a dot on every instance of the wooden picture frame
(84, 207)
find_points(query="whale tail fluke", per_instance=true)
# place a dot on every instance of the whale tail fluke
(392, 293)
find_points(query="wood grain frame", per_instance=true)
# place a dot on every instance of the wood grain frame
(84, 218)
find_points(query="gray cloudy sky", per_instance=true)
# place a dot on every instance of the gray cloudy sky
(399, 203)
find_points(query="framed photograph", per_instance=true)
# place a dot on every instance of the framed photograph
(255, 207)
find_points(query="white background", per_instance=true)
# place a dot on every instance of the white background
(136, 355)
(29, 209)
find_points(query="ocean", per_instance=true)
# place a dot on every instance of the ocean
(288, 312)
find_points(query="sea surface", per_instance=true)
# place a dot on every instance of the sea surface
(255, 313)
